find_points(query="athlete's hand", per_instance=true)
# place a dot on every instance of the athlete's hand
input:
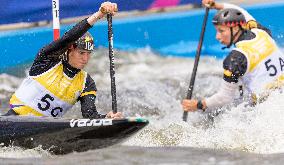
(192, 105)
(212, 4)
(189, 105)
(107, 8)
(117, 115)
(209, 3)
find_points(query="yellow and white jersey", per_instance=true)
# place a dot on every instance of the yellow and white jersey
(265, 63)
(51, 93)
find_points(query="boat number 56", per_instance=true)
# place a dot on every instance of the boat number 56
(45, 105)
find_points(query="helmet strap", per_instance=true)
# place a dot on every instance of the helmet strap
(232, 38)
(66, 56)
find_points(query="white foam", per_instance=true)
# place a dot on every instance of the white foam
(18, 153)
(152, 86)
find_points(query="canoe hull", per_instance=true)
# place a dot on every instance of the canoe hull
(61, 136)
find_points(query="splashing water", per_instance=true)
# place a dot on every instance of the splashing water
(17, 152)
(257, 130)
(152, 86)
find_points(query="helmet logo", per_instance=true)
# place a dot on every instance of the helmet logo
(86, 42)
(89, 43)
(88, 39)
(89, 46)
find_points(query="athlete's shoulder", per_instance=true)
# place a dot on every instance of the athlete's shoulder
(235, 66)
(90, 84)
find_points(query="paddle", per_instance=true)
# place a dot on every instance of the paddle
(197, 56)
(111, 59)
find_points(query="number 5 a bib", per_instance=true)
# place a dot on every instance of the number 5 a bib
(264, 61)
(51, 93)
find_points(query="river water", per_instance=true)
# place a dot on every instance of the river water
(153, 86)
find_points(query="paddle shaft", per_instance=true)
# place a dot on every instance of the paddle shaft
(196, 61)
(111, 61)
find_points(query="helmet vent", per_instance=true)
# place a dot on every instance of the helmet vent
(229, 17)
(226, 13)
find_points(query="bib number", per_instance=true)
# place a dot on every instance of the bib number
(272, 69)
(45, 104)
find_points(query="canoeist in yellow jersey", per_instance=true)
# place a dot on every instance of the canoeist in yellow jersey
(57, 80)
(255, 61)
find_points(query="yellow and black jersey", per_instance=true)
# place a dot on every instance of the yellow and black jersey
(256, 61)
(53, 86)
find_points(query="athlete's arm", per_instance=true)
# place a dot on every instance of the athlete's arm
(235, 66)
(48, 56)
(88, 98)
(59, 46)
(225, 95)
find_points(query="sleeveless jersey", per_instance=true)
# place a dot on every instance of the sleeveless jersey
(51, 93)
(265, 63)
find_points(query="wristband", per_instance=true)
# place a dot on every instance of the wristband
(200, 105)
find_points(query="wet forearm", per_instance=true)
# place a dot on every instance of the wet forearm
(68, 38)
(225, 95)
(95, 17)
(219, 6)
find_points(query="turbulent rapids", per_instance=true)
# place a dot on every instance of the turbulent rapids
(153, 86)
